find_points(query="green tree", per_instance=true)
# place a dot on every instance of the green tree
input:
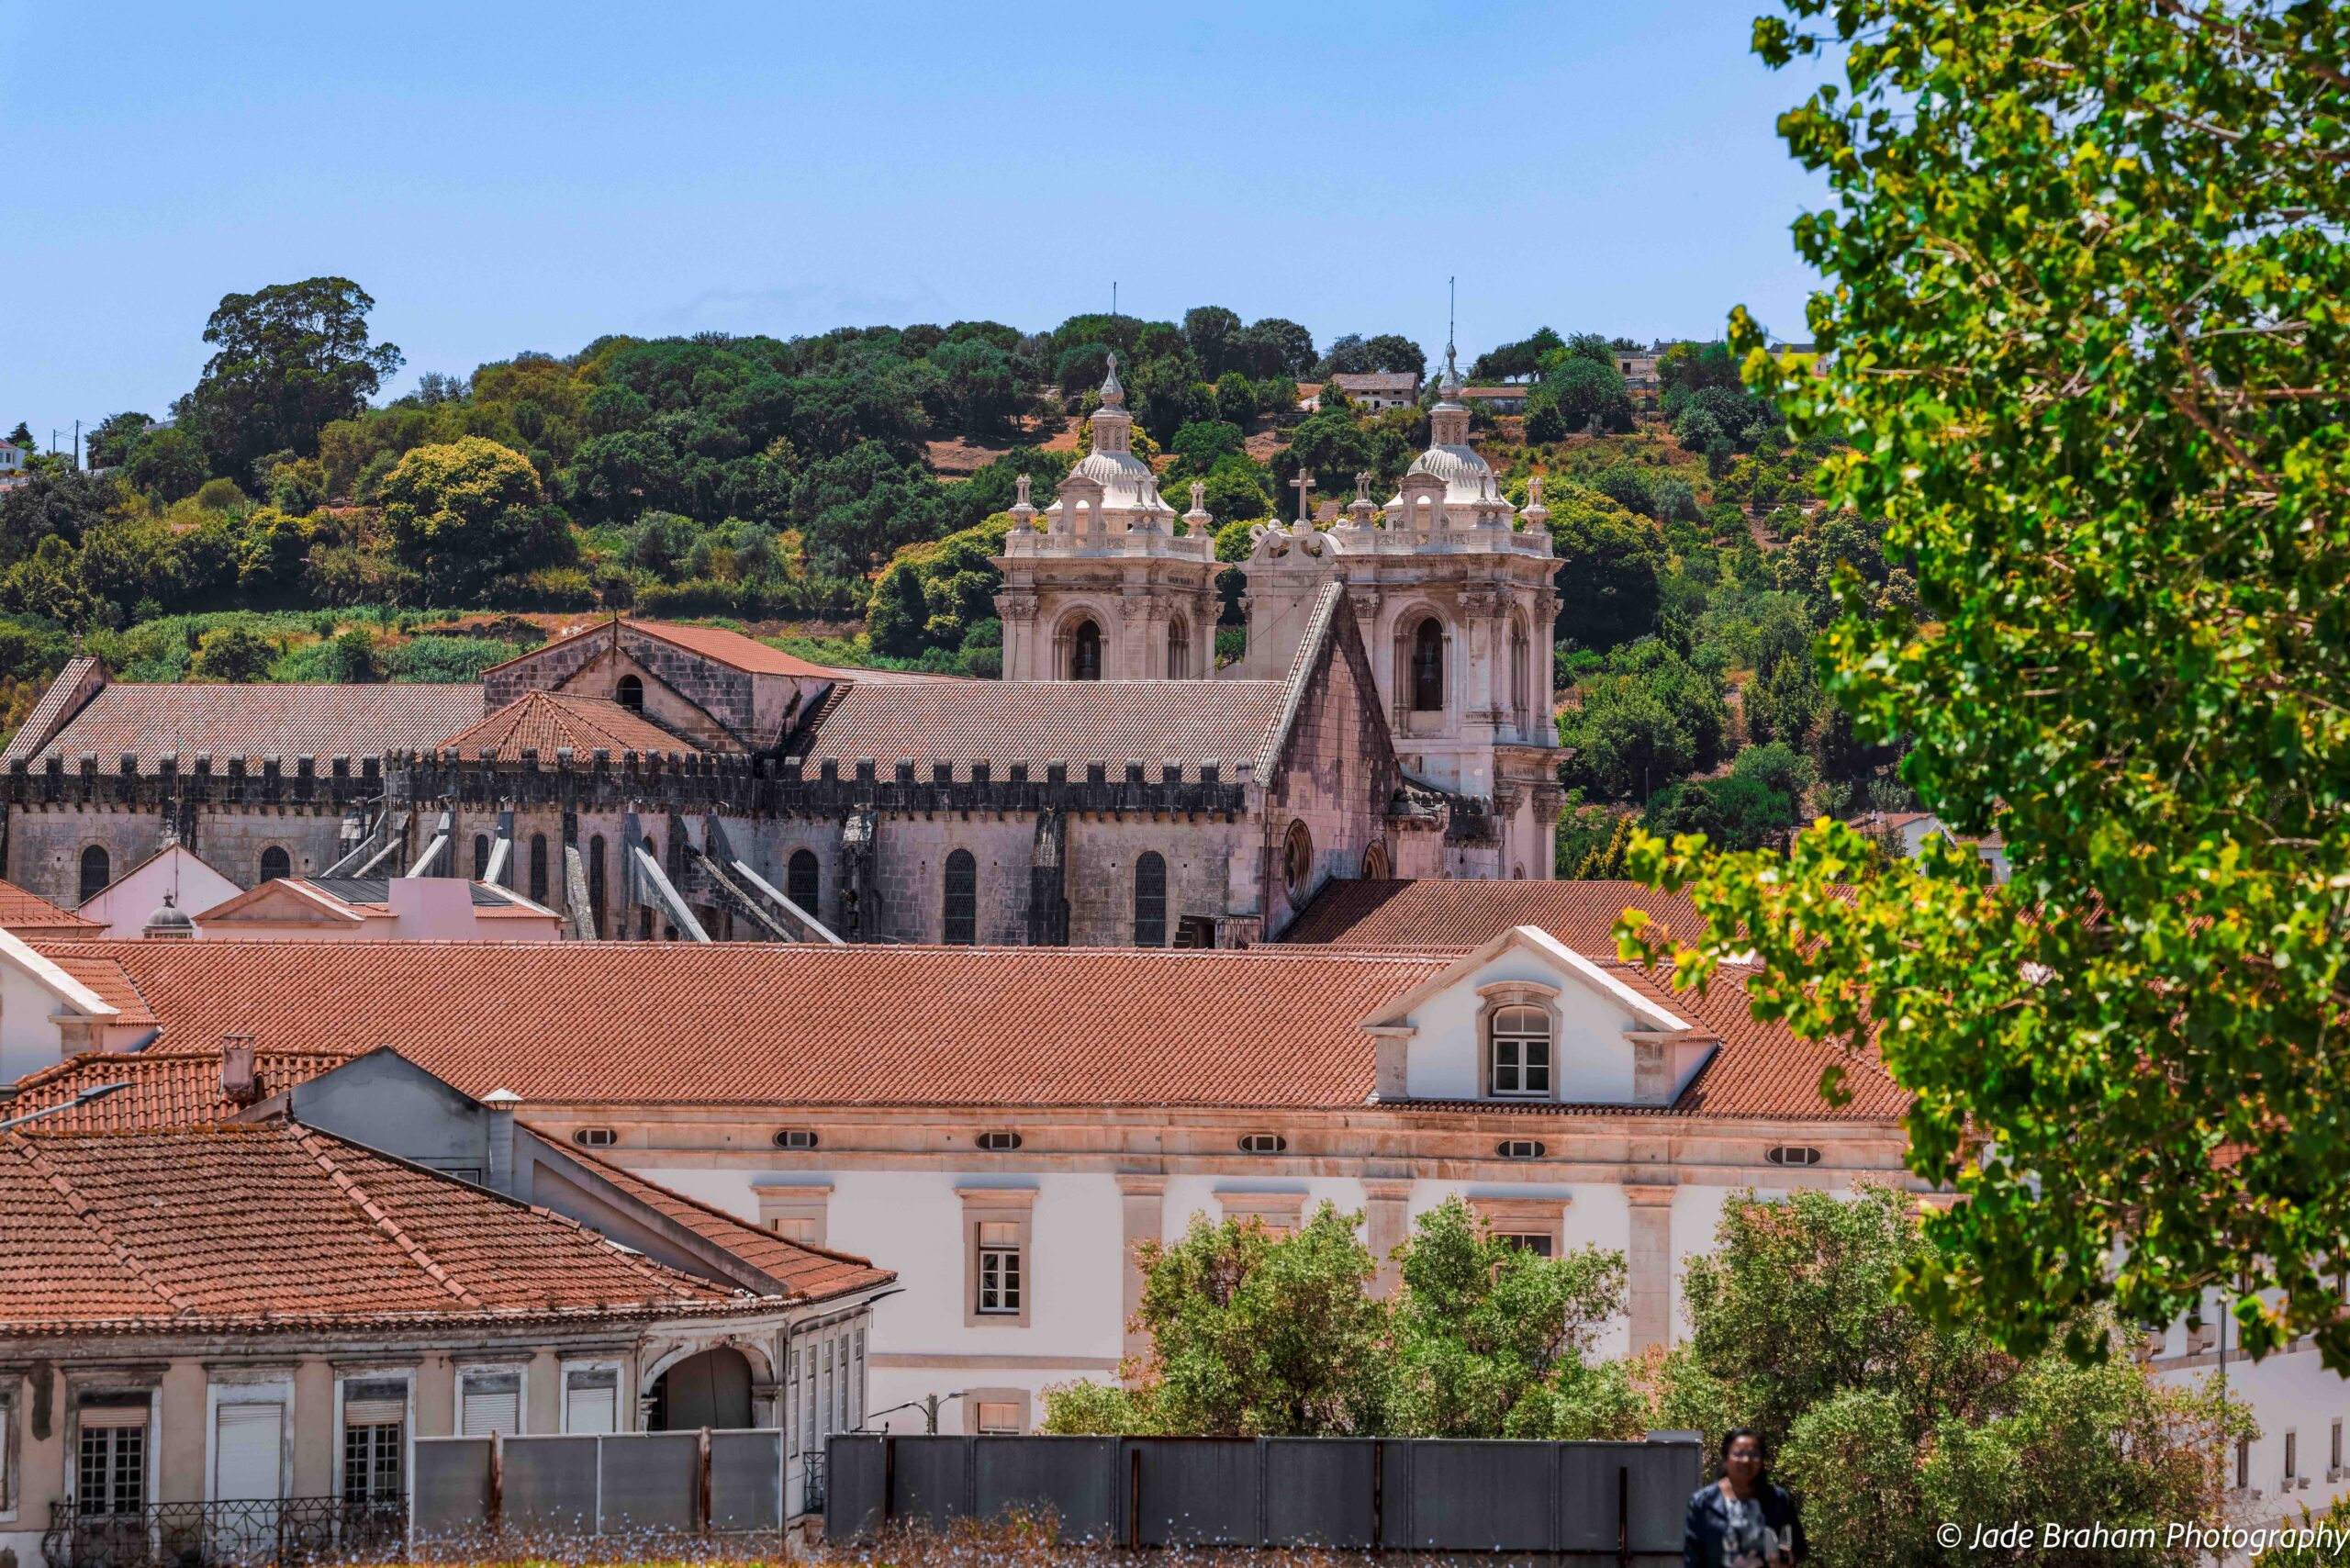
(1609, 562)
(52, 506)
(1252, 1334)
(1650, 717)
(1889, 1425)
(1235, 399)
(167, 463)
(464, 513)
(287, 361)
(233, 654)
(1588, 394)
(2107, 254)
(1490, 1340)
(1209, 331)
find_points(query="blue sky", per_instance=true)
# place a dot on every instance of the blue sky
(508, 177)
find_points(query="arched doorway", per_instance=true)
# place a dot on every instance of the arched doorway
(1085, 651)
(710, 1389)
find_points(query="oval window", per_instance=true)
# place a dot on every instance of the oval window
(795, 1138)
(1792, 1154)
(595, 1138)
(998, 1142)
(1519, 1148)
(1263, 1143)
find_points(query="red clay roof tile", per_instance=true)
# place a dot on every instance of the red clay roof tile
(1037, 722)
(246, 722)
(545, 720)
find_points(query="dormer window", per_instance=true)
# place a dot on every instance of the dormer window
(1521, 1053)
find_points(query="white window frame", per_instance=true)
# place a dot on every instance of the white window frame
(75, 1395)
(343, 1378)
(621, 1400)
(998, 1206)
(519, 1370)
(1520, 1064)
(227, 1386)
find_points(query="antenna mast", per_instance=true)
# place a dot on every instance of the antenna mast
(1451, 307)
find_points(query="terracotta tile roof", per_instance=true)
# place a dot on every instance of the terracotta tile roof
(545, 720)
(817, 1273)
(99, 971)
(168, 1088)
(51, 710)
(260, 1228)
(1379, 381)
(730, 648)
(34, 918)
(1037, 722)
(1432, 913)
(260, 720)
(695, 1024)
(594, 1024)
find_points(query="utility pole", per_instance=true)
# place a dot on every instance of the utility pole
(77, 445)
(1113, 298)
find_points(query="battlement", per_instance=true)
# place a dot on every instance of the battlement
(690, 782)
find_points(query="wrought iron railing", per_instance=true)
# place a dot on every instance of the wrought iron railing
(811, 1481)
(191, 1535)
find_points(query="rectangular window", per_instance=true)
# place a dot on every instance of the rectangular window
(490, 1402)
(8, 1440)
(112, 1471)
(999, 1418)
(2292, 1455)
(2243, 1462)
(371, 1459)
(2335, 1460)
(1525, 1241)
(999, 1267)
(591, 1399)
(1522, 1052)
(246, 1443)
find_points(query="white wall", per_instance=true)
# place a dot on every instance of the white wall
(1593, 1061)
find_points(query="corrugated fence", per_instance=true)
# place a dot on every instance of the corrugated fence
(1620, 1501)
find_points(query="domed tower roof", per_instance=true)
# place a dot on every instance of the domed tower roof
(1129, 485)
(169, 923)
(1468, 478)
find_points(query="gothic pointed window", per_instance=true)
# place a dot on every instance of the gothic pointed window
(1428, 667)
(1179, 649)
(1150, 900)
(97, 870)
(1297, 862)
(961, 908)
(630, 694)
(1085, 651)
(275, 864)
(538, 867)
(802, 880)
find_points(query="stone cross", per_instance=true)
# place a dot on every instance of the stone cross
(1302, 484)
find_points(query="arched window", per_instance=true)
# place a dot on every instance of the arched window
(1085, 651)
(802, 881)
(481, 856)
(97, 870)
(596, 883)
(1374, 863)
(1150, 900)
(630, 693)
(1297, 862)
(1428, 667)
(1179, 649)
(276, 863)
(538, 867)
(961, 908)
(1521, 1052)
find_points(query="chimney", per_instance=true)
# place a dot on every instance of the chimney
(239, 1084)
(500, 1103)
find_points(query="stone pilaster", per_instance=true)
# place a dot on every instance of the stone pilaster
(1387, 1218)
(1141, 1202)
(1648, 1260)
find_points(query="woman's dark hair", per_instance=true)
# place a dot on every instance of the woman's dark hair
(1730, 1441)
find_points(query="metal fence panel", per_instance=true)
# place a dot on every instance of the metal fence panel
(932, 1484)
(551, 1484)
(449, 1492)
(745, 1481)
(1320, 1492)
(1467, 1495)
(856, 1472)
(649, 1480)
(1193, 1491)
(1076, 1478)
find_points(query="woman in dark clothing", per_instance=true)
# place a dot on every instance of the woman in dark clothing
(1743, 1520)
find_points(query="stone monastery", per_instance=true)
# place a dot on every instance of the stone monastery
(1391, 718)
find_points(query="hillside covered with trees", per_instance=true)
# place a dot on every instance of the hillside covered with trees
(841, 494)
